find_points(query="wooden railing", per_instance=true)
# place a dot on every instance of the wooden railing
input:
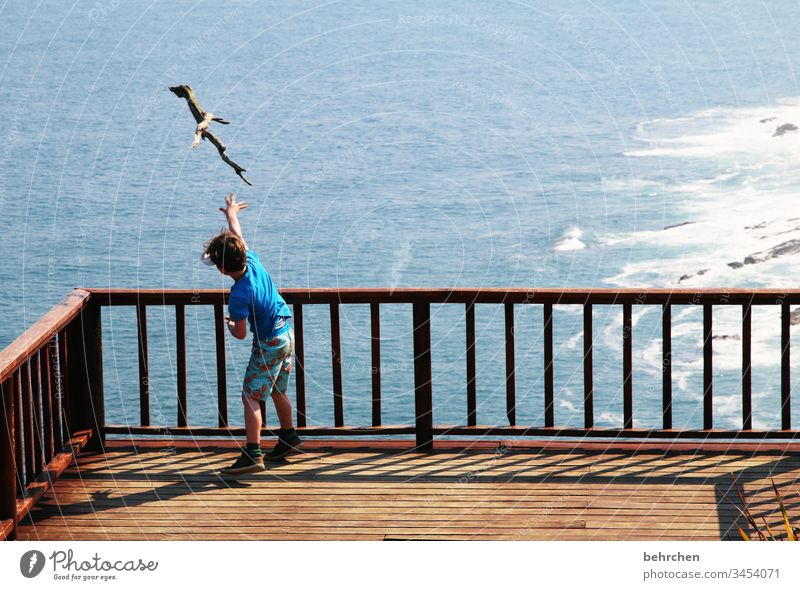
(52, 375)
(52, 403)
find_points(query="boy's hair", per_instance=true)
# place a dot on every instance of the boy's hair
(227, 251)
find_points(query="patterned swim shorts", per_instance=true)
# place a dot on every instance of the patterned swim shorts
(269, 367)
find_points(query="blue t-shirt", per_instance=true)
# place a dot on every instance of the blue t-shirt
(255, 297)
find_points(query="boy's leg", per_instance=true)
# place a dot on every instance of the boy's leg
(280, 381)
(253, 388)
(288, 440)
(251, 459)
(252, 421)
(283, 407)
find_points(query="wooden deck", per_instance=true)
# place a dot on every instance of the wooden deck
(381, 490)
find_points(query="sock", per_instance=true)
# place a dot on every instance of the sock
(286, 433)
(253, 449)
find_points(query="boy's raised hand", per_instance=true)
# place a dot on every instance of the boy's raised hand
(231, 206)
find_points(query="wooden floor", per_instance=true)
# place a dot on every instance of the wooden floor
(140, 490)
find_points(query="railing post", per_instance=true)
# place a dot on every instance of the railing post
(180, 350)
(8, 469)
(786, 381)
(549, 414)
(300, 367)
(19, 459)
(222, 375)
(627, 365)
(336, 366)
(472, 393)
(588, 387)
(708, 370)
(47, 403)
(511, 381)
(62, 388)
(666, 367)
(36, 393)
(423, 392)
(26, 410)
(144, 365)
(747, 378)
(375, 326)
(85, 376)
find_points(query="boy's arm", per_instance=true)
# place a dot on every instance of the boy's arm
(236, 320)
(237, 328)
(231, 211)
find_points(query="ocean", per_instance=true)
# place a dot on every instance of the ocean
(399, 144)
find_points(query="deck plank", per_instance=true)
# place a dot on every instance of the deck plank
(137, 491)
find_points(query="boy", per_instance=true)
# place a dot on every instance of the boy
(254, 297)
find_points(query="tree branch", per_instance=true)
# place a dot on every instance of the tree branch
(203, 120)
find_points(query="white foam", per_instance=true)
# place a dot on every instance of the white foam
(742, 199)
(722, 171)
(631, 184)
(574, 341)
(722, 132)
(567, 405)
(610, 418)
(570, 240)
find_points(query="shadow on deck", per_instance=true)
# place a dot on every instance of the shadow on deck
(378, 490)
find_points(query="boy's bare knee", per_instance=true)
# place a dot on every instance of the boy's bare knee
(249, 402)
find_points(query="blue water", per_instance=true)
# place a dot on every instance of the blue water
(402, 144)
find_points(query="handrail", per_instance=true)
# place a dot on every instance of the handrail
(481, 295)
(35, 337)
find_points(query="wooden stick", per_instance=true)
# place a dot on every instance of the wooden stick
(203, 119)
(201, 126)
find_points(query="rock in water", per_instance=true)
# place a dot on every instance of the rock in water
(678, 225)
(783, 249)
(699, 273)
(783, 129)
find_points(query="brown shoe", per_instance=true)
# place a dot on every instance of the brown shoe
(246, 463)
(287, 444)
